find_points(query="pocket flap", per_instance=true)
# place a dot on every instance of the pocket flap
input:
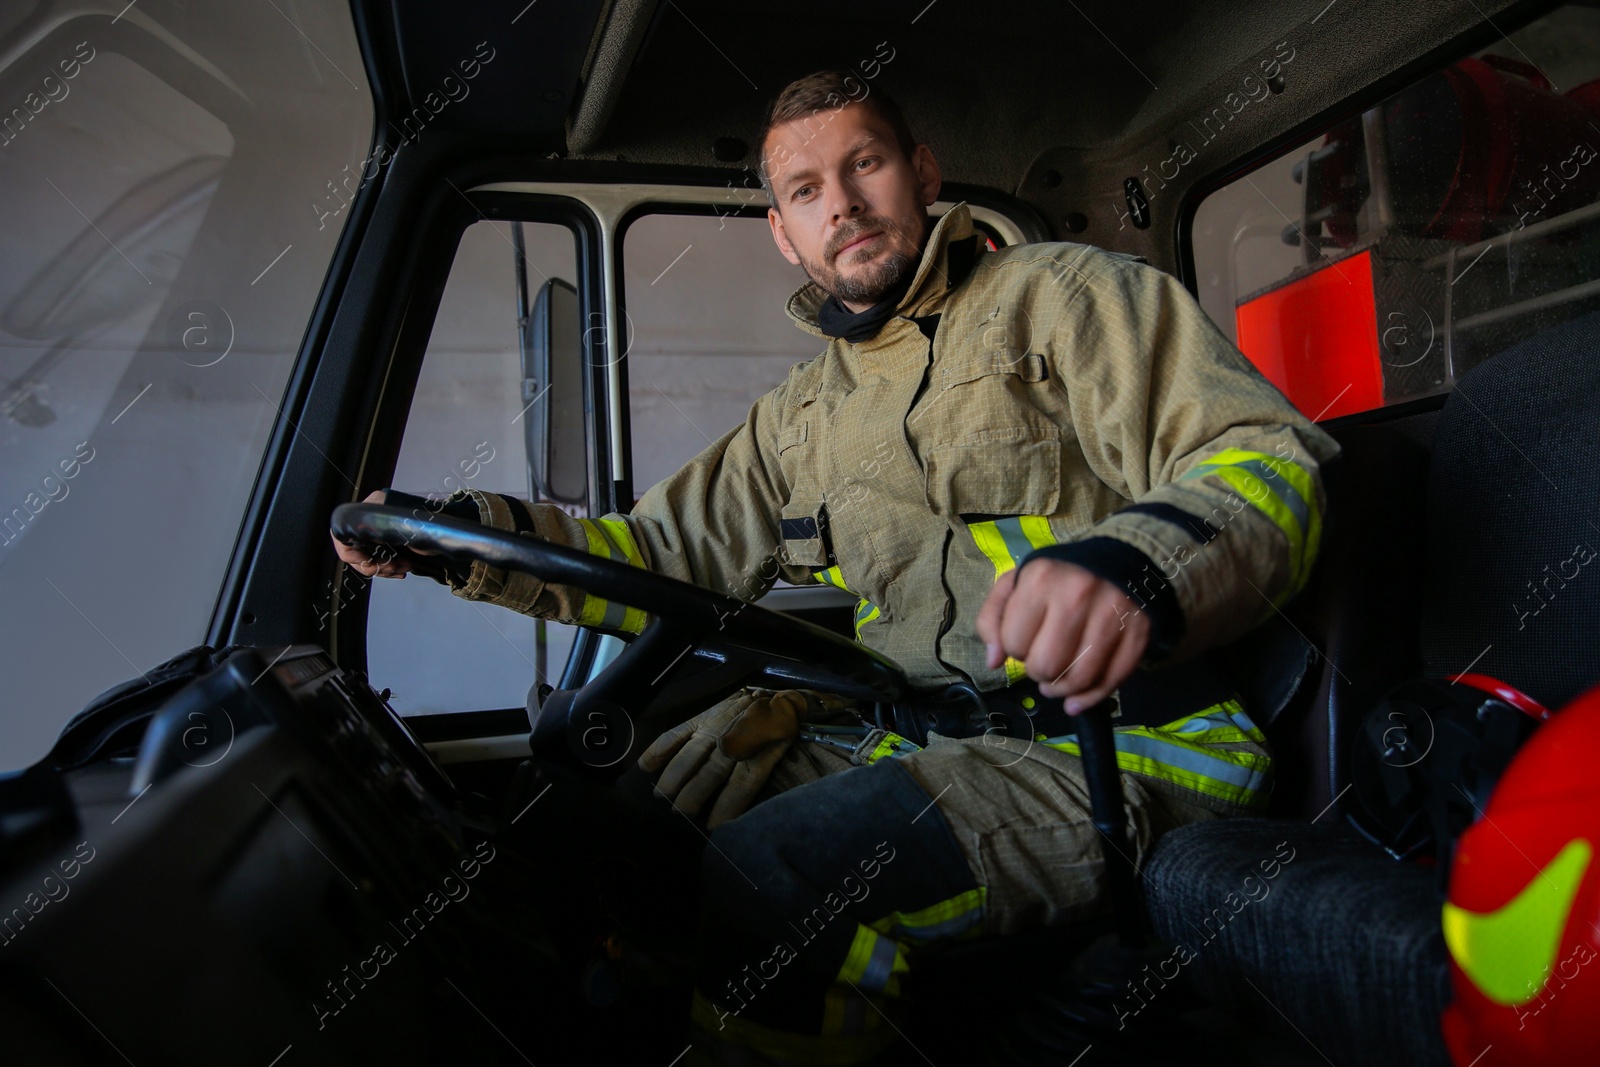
(793, 435)
(1030, 368)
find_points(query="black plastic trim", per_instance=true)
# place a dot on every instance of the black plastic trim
(465, 725)
(227, 624)
(1387, 413)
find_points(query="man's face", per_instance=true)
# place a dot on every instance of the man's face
(852, 209)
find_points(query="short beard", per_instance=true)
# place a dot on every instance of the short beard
(865, 287)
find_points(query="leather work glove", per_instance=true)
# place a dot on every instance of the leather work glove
(732, 747)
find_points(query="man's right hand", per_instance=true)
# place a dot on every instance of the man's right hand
(379, 562)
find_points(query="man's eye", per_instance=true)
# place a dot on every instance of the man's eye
(863, 164)
(804, 191)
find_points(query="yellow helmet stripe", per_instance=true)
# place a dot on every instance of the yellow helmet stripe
(1508, 952)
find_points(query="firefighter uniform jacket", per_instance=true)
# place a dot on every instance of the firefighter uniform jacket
(1043, 394)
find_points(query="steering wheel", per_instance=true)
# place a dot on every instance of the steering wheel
(733, 643)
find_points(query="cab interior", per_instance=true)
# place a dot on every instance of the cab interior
(523, 248)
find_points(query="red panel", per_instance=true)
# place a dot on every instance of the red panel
(1316, 339)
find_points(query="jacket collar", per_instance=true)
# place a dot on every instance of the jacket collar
(952, 248)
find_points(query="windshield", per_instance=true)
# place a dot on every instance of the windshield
(175, 181)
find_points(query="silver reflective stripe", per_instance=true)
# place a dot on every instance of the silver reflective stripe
(614, 615)
(1184, 758)
(1277, 485)
(880, 965)
(1016, 541)
(954, 927)
(1201, 723)
(1187, 759)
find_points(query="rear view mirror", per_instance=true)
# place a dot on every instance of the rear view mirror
(552, 388)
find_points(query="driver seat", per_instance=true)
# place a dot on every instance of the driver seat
(1345, 944)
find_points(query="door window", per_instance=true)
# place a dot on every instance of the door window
(1379, 262)
(478, 405)
(708, 334)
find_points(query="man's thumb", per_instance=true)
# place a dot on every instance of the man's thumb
(989, 616)
(765, 722)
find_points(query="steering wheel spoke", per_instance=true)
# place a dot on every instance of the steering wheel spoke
(649, 683)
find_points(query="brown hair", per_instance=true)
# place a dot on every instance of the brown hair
(829, 91)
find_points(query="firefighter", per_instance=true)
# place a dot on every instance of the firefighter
(1037, 469)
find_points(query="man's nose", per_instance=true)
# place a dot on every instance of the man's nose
(846, 200)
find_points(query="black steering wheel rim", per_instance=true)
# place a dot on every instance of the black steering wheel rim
(700, 615)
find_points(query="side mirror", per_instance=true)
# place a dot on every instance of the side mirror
(552, 387)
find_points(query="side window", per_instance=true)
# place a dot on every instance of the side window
(168, 222)
(705, 298)
(477, 398)
(1381, 261)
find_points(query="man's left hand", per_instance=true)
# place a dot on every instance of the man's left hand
(1079, 635)
(727, 752)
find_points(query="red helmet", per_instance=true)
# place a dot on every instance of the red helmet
(1522, 924)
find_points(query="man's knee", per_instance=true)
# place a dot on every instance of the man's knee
(736, 848)
(837, 843)
(754, 854)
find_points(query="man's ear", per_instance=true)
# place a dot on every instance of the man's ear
(780, 238)
(929, 180)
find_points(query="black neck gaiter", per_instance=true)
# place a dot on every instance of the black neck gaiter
(836, 320)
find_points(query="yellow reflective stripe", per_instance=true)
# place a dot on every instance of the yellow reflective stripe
(1245, 484)
(848, 1014)
(1508, 953)
(866, 611)
(596, 609)
(960, 916)
(597, 544)
(890, 747)
(783, 1045)
(1221, 722)
(1289, 471)
(874, 963)
(993, 545)
(1294, 511)
(1224, 735)
(1007, 541)
(831, 576)
(619, 536)
(990, 537)
(838, 1018)
(617, 533)
(855, 961)
(1166, 752)
(1036, 528)
(1134, 763)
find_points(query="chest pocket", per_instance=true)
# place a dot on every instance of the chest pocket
(1013, 471)
(996, 453)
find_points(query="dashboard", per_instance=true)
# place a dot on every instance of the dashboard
(281, 872)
